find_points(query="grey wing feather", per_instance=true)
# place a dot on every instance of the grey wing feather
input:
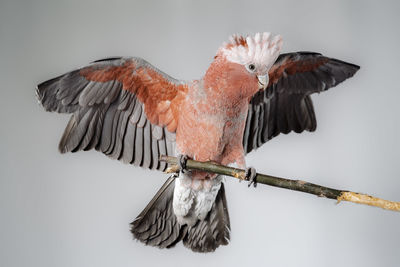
(129, 140)
(106, 117)
(286, 104)
(138, 146)
(147, 146)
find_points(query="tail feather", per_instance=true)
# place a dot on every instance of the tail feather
(208, 234)
(158, 226)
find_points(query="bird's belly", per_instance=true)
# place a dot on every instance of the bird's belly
(202, 140)
(210, 137)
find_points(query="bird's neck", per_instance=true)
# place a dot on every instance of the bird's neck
(226, 83)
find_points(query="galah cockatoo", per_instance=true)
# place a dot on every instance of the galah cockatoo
(133, 112)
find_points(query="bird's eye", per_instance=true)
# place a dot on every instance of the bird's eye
(251, 67)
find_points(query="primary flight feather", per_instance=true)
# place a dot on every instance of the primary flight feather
(133, 112)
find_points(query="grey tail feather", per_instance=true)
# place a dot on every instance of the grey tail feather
(208, 234)
(157, 224)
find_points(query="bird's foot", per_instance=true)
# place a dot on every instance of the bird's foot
(251, 176)
(182, 159)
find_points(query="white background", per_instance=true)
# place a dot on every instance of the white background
(75, 209)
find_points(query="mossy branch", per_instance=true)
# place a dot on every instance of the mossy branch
(297, 185)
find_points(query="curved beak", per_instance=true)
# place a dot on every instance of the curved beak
(262, 81)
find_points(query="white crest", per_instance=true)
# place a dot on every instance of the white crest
(261, 50)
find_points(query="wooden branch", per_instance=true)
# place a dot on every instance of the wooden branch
(297, 185)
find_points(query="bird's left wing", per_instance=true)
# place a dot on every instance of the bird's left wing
(285, 105)
(123, 107)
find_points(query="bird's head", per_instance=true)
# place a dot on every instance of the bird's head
(244, 62)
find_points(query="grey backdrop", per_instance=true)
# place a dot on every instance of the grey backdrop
(75, 209)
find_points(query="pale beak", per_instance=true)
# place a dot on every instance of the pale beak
(262, 81)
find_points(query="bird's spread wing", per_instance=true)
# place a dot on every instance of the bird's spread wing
(286, 105)
(123, 107)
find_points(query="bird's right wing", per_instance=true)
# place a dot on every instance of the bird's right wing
(123, 107)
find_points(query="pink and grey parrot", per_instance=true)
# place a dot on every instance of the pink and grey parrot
(133, 112)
